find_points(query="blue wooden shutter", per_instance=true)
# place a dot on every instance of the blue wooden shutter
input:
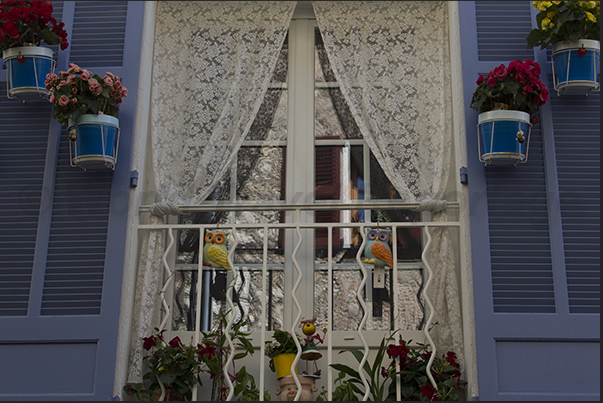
(65, 238)
(533, 230)
(577, 123)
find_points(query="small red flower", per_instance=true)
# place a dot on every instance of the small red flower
(175, 342)
(149, 342)
(428, 391)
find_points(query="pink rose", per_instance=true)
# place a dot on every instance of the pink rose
(85, 75)
(74, 90)
(51, 100)
(124, 92)
(71, 78)
(63, 100)
(527, 89)
(108, 81)
(74, 100)
(74, 69)
(480, 79)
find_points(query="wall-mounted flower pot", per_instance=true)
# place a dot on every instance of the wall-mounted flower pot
(94, 141)
(504, 137)
(26, 70)
(576, 66)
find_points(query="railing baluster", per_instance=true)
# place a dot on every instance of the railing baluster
(430, 305)
(297, 305)
(263, 320)
(330, 314)
(231, 315)
(364, 316)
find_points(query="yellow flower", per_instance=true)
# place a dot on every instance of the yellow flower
(556, 3)
(590, 16)
(545, 23)
(160, 369)
(550, 14)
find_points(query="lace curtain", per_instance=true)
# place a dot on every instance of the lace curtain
(212, 65)
(393, 64)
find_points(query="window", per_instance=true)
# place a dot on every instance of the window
(303, 147)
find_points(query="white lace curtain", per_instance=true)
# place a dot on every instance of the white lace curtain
(393, 64)
(212, 65)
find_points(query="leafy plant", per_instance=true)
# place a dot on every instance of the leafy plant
(78, 92)
(216, 351)
(179, 367)
(27, 23)
(516, 87)
(283, 343)
(173, 364)
(415, 383)
(560, 21)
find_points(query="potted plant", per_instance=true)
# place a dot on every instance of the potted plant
(86, 105)
(574, 29)
(410, 363)
(24, 25)
(508, 100)
(179, 367)
(173, 369)
(282, 352)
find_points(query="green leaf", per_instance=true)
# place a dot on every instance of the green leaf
(50, 37)
(167, 378)
(347, 370)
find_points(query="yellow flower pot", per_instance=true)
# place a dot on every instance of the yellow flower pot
(282, 364)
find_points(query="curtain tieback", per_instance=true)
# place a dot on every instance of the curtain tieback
(163, 209)
(432, 205)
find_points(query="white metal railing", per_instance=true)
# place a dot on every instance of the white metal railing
(297, 225)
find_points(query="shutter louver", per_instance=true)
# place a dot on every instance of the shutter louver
(22, 160)
(502, 29)
(522, 273)
(576, 120)
(78, 235)
(328, 187)
(99, 30)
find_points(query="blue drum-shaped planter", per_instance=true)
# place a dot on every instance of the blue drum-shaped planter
(26, 70)
(96, 141)
(576, 66)
(504, 137)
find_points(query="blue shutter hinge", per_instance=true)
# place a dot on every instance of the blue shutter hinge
(464, 175)
(475, 398)
(133, 179)
(116, 398)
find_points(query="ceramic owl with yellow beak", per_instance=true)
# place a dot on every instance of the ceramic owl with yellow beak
(215, 252)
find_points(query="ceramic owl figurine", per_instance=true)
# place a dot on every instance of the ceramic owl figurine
(376, 249)
(215, 253)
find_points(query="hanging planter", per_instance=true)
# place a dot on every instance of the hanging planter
(24, 25)
(504, 137)
(86, 104)
(26, 70)
(573, 28)
(576, 66)
(94, 141)
(509, 99)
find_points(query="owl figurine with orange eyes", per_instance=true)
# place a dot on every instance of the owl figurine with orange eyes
(215, 253)
(377, 249)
